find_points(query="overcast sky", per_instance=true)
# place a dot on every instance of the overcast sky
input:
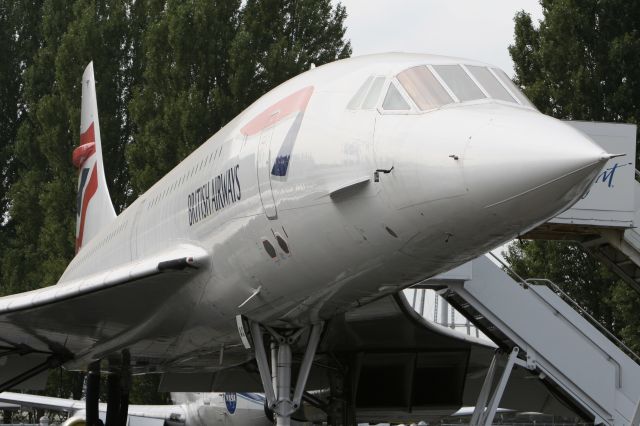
(475, 29)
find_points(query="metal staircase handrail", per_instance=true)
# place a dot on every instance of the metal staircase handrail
(601, 328)
(555, 288)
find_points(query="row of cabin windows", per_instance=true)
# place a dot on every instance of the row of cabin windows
(432, 86)
(212, 157)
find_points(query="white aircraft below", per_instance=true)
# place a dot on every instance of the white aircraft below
(195, 409)
(347, 183)
(190, 409)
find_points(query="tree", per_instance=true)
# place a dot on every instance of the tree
(40, 181)
(20, 34)
(26, 263)
(182, 98)
(279, 39)
(207, 61)
(581, 63)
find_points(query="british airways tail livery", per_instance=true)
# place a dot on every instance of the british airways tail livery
(94, 209)
(344, 184)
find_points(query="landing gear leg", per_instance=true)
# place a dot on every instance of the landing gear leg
(340, 409)
(118, 384)
(125, 388)
(114, 392)
(277, 382)
(93, 394)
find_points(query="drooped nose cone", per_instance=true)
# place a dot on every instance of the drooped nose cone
(530, 165)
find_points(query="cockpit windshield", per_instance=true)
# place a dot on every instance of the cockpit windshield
(432, 86)
(504, 78)
(491, 85)
(459, 82)
(425, 90)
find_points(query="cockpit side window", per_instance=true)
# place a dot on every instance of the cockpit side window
(374, 93)
(459, 82)
(515, 90)
(356, 101)
(491, 85)
(425, 90)
(394, 101)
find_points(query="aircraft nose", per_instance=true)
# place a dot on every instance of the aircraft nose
(532, 165)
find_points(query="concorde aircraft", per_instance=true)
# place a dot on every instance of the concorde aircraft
(339, 187)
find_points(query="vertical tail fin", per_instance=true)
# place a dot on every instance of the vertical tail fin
(94, 207)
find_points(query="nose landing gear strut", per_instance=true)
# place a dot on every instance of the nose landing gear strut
(277, 380)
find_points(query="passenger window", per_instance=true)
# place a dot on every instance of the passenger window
(355, 102)
(425, 90)
(504, 78)
(374, 93)
(491, 85)
(459, 82)
(394, 100)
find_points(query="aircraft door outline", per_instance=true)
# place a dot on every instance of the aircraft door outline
(263, 165)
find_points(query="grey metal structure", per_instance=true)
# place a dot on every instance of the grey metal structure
(545, 334)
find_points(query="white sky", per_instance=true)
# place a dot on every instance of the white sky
(475, 29)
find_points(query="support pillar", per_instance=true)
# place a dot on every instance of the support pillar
(93, 394)
(481, 403)
(484, 413)
(114, 393)
(340, 410)
(125, 386)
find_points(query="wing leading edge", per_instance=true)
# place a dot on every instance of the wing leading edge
(76, 322)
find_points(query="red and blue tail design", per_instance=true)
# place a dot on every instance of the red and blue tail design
(94, 208)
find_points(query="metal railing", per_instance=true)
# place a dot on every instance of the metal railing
(575, 305)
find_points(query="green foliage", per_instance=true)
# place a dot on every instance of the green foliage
(144, 390)
(65, 384)
(183, 98)
(279, 39)
(169, 73)
(581, 63)
(20, 33)
(206, 61)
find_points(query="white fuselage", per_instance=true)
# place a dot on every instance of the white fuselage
(463, 179)
(194, 409)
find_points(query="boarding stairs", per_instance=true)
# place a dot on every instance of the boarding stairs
(537, 326)
(536, 329)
